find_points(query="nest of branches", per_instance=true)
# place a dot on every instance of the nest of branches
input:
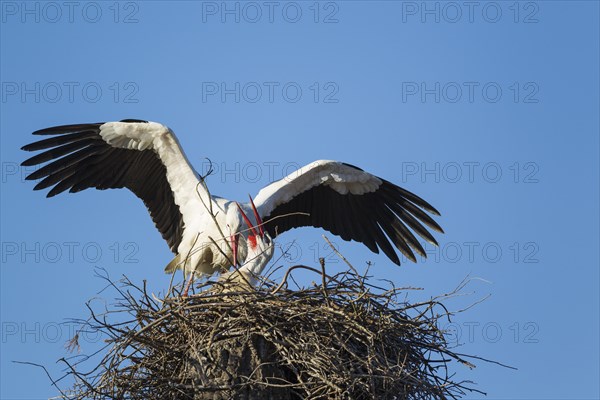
(340, 338)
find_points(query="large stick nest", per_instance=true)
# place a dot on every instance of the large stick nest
(341, 338)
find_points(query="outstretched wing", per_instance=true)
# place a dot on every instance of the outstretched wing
(144, 157)
(350, 203)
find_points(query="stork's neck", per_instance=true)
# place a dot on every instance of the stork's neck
(252, 269)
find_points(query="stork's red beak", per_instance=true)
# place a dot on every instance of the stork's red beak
(259, 222)
(234, 248)
(253, 233)
(258, 219)
(246, 220)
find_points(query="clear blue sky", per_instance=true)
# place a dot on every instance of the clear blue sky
(488, 110)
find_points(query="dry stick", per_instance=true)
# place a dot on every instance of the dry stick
(73, 343)
(47, 373)
(340, 255)
(283, 253)
(323, 280)
(290, 269)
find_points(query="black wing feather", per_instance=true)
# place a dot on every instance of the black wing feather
(60, 140)
(378, 219)
(79, 159)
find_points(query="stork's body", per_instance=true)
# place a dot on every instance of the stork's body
(206, 244)
(208, 233)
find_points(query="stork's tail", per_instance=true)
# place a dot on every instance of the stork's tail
(173, 265)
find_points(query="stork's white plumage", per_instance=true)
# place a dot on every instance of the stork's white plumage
(146, 158)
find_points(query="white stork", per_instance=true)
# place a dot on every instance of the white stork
(146, 158)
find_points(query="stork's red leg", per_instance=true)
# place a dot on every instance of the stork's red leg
(187, 286)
